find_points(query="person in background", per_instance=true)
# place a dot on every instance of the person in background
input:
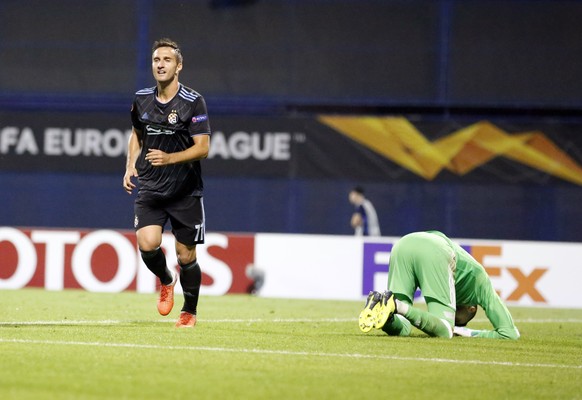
(453, 284)
(170, 135)
(364, 219)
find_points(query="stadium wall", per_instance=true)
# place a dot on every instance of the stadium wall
(493, 179)
(276, 265)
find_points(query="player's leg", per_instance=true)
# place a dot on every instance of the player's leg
(149, 239)
(429, 262)
(402, 283)
(379, 307)
(433, 322)
(149, 222)
(435, 274)
(398, 325)
(190, 279)
(187, 218)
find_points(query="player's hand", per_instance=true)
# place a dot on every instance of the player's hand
(462, 331)
(356, 220)
(128, 185)
(157, 158)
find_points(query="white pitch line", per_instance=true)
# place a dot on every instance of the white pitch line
(287, 353)
(226, 320)
(260, 320)
(249, 321)
(546, 321)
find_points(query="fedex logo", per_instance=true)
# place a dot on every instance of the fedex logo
(376, 264)
(517, 281)
(525, 282)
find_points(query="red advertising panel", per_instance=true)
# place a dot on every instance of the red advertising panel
(109, 261)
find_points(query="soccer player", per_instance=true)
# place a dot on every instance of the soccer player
(170, 135)
(453, 284)
(364, 219)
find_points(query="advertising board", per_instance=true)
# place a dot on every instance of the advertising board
(290, 266)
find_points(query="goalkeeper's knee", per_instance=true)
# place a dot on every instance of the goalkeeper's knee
(446, 331)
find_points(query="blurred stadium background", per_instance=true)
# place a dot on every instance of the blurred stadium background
(271, 72)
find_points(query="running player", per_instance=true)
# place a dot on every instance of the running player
(170, 135)
(453, 284)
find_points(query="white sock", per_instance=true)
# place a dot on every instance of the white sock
(401, 307)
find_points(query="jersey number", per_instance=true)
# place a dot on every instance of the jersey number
(199, 232)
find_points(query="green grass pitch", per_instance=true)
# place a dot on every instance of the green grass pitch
(80, 345)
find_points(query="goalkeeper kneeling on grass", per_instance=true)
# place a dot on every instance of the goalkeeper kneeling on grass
(453, 284)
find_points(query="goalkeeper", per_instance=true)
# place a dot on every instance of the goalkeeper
(453, 284)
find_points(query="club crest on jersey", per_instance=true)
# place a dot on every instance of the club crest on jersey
(173, 117)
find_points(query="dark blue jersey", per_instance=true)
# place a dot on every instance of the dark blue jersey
(169, 127)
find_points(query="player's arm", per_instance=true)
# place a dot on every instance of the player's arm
(198, 151)
(358, 217)
(498, 333)
(498, 315)
(356, 220)
(133, 151)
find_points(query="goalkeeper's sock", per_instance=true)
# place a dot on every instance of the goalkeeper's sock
(428, 323)
(401, 307)
(155, 260)
(398, 326)
(190, 279)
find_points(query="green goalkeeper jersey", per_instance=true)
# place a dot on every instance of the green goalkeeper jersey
(473, 287)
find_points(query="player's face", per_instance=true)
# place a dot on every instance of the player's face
(354, 197)
(165, 65)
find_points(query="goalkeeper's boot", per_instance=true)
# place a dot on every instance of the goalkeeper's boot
(368, 315)
(186, 320)
(386, 309)
(166, 298)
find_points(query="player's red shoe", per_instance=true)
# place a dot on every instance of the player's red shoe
(186, 320)
(166, 299)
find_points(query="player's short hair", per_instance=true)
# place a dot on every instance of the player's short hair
(358, 189)
(465, 314)
(166, 42)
